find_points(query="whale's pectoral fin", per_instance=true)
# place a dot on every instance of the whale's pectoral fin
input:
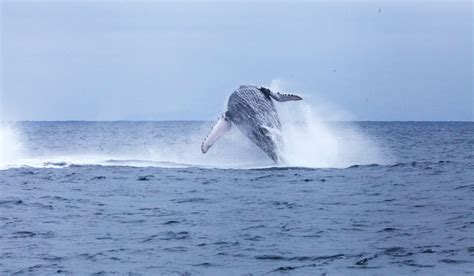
(222, 126)
(280, 97)
(285, 97)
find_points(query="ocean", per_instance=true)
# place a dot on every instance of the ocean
(139, 198)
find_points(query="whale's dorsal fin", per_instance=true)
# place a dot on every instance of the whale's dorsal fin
(279, 97)
(222, 126)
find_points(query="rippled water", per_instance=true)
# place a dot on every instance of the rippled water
(135, 197)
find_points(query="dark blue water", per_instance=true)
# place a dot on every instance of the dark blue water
(120, 197)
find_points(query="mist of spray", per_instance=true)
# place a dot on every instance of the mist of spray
(309, 141)
(11, 149)
(313, 138)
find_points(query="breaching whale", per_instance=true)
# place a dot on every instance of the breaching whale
(252, 110)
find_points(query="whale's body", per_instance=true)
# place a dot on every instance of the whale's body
(252, 110)
(254, 113)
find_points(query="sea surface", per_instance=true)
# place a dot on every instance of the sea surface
(139, 198)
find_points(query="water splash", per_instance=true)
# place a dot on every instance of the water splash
(314, 137)
(11, 149)
(310, 141)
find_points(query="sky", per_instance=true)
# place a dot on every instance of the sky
(151, 60)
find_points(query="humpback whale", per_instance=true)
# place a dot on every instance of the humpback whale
(252, 110)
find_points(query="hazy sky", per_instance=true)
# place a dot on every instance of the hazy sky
(150, 60)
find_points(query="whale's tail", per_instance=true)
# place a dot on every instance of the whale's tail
(222, 126)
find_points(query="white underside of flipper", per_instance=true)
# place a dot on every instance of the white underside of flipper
(222, 126)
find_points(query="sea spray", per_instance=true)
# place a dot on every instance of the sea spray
(311, 141)
(321, 136)
(11, 149)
